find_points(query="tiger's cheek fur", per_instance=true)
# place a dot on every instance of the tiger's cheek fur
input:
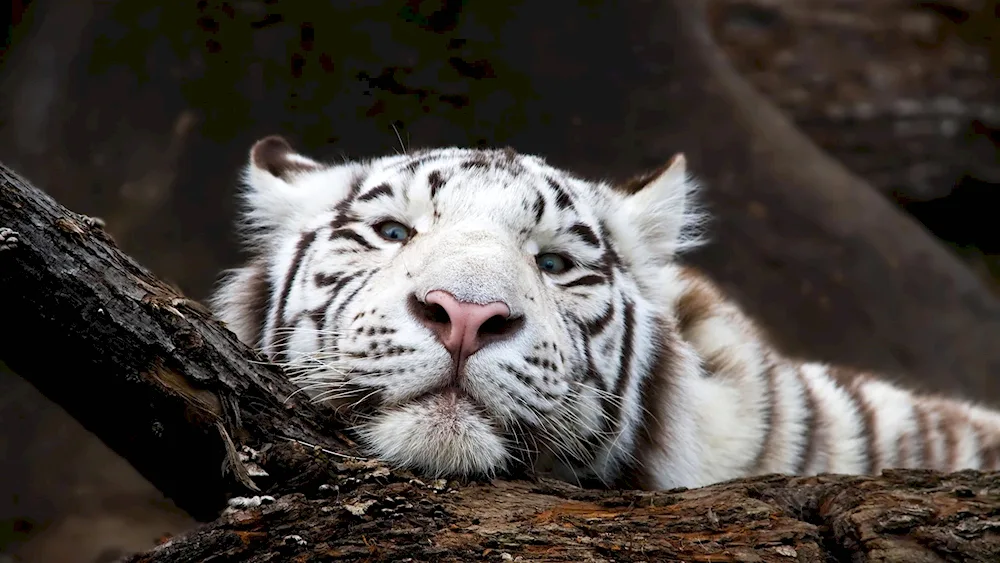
(384, 345)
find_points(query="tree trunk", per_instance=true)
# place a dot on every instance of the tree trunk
(904, 94)
(865, 80)
(166, 386)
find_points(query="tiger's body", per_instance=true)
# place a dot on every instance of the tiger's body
(475, 311)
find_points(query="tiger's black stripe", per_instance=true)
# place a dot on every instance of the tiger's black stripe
(610, 259)
(990, 450)
(477, 161)
(366, 275)
(923, 430)
(376, 192)
(868, 427)
(337, 283)
(305, 242)
(342, 211)
(949, 423)
(586, 233)
(319, 315)
(435, 181)
(563, 201)
(324, 280)
(420, 160)
(771, 416)
(261, 290)
(590, 279)
(653, 433)
(590, 329)
(347, 233)
(539, 208)
(811, 422)
(610, 407)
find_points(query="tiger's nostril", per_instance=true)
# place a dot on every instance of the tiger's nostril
(432, 315)
(436, 313)
(498, 326)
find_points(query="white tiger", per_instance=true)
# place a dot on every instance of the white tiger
(475, 311)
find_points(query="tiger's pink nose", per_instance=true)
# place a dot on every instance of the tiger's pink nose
(465, 327)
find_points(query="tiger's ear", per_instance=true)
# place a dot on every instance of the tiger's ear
(273, 160)
(271, 196)
(658, 209)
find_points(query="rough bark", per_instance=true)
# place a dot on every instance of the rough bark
(148, 371)
(166, 386)
(375, 515)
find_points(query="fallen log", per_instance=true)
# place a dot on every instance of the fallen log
(172, 391)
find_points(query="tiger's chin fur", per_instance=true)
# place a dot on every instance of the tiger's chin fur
(473, 312)
(459, 434)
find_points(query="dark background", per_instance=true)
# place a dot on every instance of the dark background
(141, 112)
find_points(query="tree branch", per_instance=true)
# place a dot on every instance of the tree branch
(148, 371)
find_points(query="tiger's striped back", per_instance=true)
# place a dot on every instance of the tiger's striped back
(807, 417)
(477, 311)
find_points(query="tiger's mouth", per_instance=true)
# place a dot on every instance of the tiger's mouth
(358, 399)
(450, 406)
(448, 395)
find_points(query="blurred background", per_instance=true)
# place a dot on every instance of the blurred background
(848, 150)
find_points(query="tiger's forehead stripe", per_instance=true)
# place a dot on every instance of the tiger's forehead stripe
(383, 189)
(501, 161)
(586, 234)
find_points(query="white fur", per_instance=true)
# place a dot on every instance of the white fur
(342, 321)
(461, 440)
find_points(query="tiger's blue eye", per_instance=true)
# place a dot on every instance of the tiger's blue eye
(552, 263)
(393, 231)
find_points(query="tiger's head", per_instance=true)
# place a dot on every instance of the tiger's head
(465, 310)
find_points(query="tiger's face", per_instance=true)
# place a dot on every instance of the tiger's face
(465, 310)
